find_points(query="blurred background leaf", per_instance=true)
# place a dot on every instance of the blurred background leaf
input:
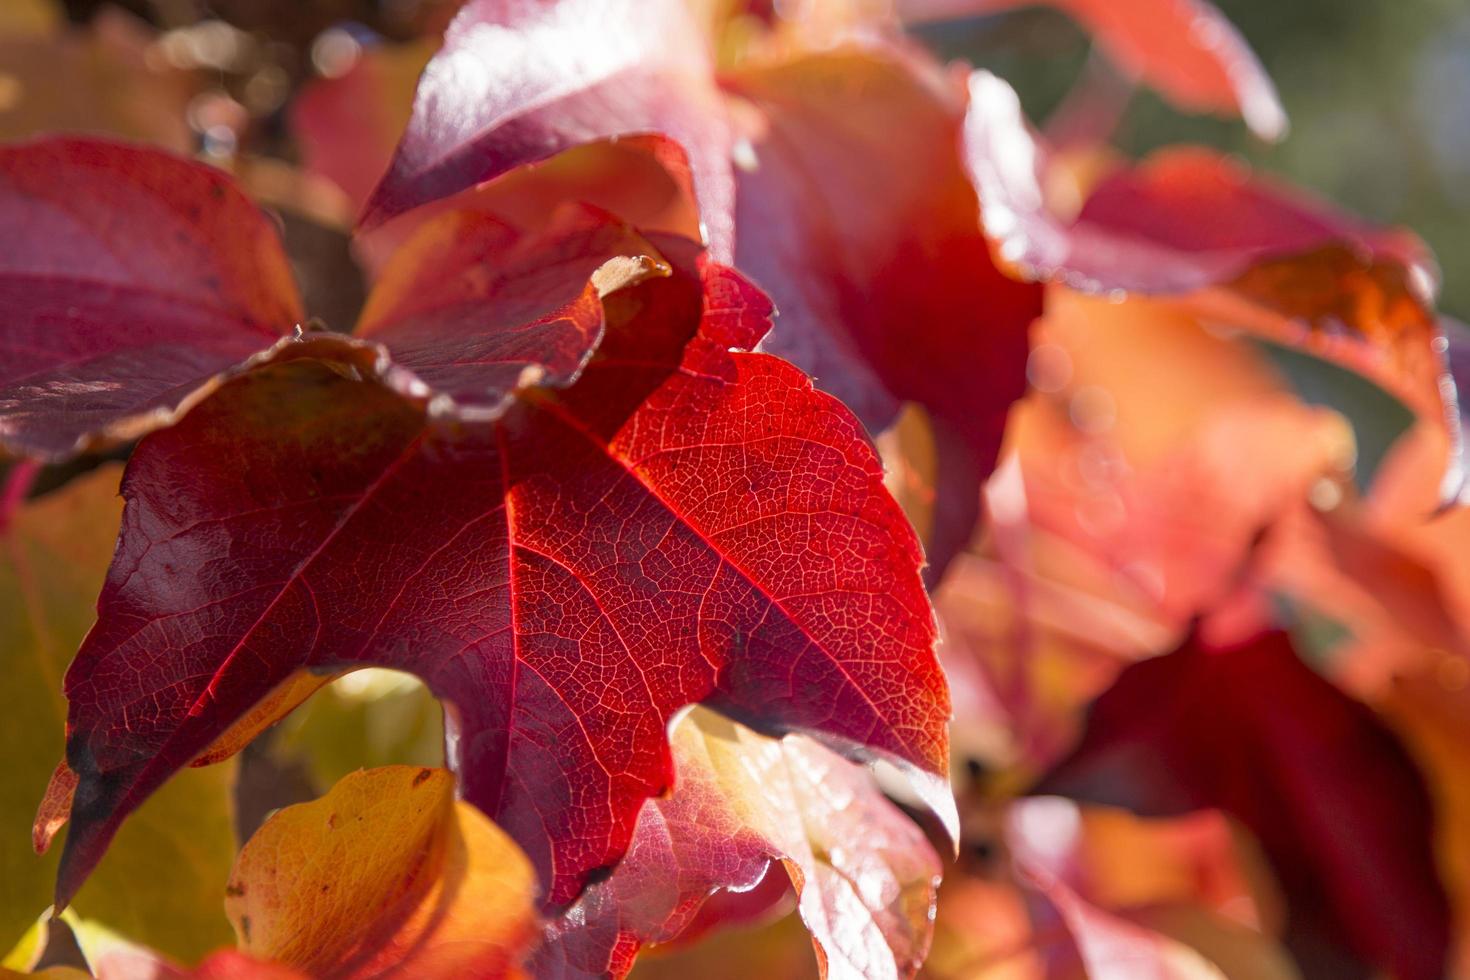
(1375, 93)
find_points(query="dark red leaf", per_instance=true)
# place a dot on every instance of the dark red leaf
(518, 81)
(676, 527)
(1186, 49)
(1336, 802)
(128, 279)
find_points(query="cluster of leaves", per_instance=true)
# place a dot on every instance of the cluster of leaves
(1147, 473)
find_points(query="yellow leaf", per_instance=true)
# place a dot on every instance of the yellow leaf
(386, 870)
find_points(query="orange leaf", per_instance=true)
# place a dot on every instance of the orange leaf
(386, 870)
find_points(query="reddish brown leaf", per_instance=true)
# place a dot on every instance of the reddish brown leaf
(128, 279)
(1194, 201)
(864, 874)
(1337, 804)
(519, 80)
(1186, 49)
(676, 527)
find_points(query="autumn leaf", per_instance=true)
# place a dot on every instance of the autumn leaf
(387, 871)
(424, 336)
(160, 882)
(472, 310)
(869, 246)
(683, 524)
(1215, 209)
(517, 82)
(1238, 253)
(194, 287)
(1181, 220)
(863, 872)
(128, 279)
(1187, 49)
(1339, 808)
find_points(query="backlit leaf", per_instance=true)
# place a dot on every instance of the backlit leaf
(863, 872)
(678, 526)
(870, 246)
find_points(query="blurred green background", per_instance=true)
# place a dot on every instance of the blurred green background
(1378, 92)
